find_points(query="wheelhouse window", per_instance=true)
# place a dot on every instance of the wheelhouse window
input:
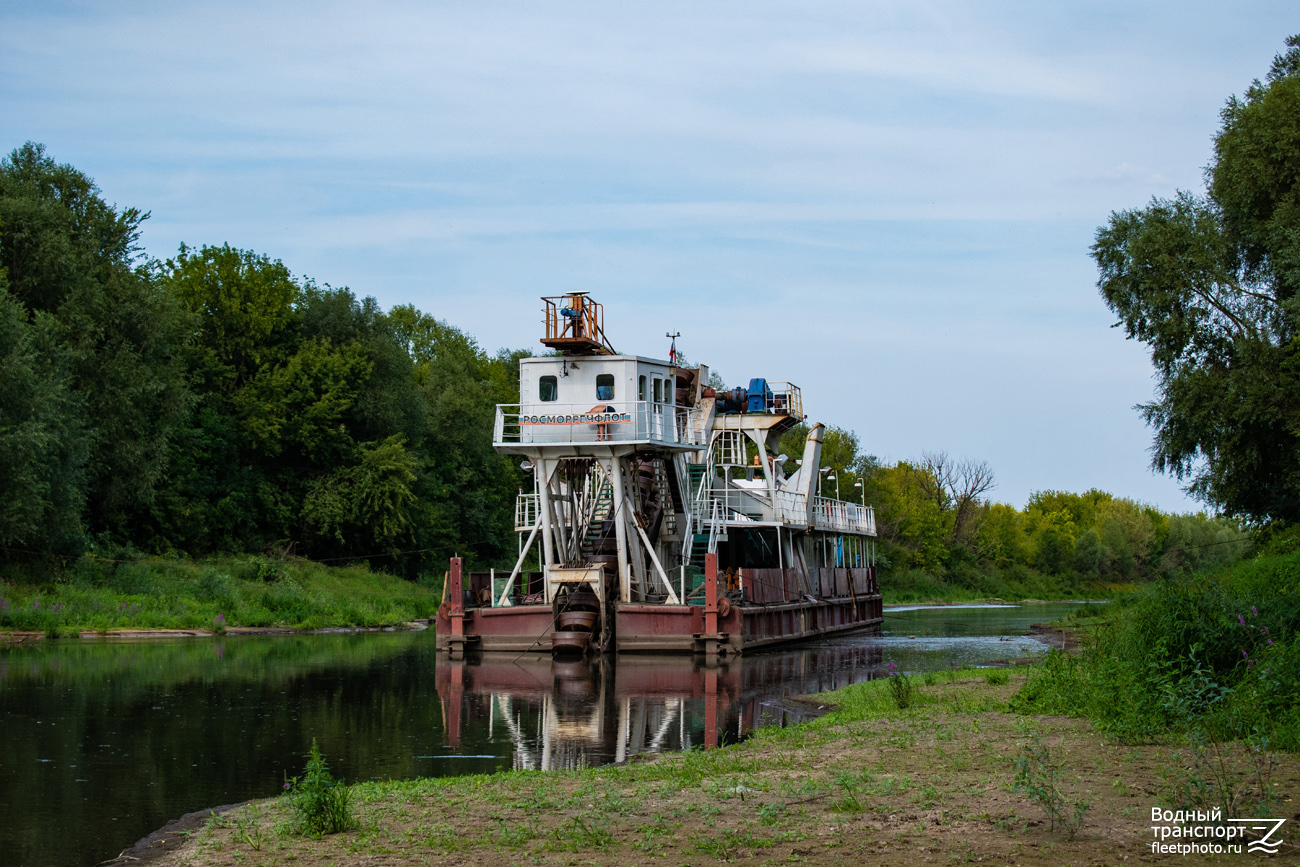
(605, 386)
(659, 390)
(640, 388)
(548, 388)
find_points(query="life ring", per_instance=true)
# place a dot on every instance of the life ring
(724, 607)
(444, 611)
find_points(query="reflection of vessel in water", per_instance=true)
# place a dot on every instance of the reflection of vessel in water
(591, 711)
(664, 517)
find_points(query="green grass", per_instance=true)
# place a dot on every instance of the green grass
(157, 593)
(1212, 656)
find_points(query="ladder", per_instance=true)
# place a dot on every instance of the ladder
(601, 512)
(665, 498)
(706, 520)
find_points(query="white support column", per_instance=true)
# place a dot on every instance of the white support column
(563, 551)
(635, 556)
(620, 527)
(759, 439)
(514, 573)
(672, 594)
(544, 470)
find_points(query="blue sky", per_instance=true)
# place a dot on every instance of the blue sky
(889, 204)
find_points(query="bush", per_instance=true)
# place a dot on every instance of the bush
(901, 688)
(217, 586)
(321, 804)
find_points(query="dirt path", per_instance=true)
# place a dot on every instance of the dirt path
(867, 785)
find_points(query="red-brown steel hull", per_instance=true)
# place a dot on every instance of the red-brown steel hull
(775, 612)
(672, 628)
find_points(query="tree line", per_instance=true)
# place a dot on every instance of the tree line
(215, 403)
(935, 514)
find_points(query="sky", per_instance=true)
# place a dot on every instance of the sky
(888, 204)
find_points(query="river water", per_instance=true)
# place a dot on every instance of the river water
(103, 741)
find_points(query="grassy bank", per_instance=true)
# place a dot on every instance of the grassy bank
(870, 783)
(1210, 658)
(99, 595)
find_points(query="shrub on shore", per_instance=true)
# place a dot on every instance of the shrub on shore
(321, 804)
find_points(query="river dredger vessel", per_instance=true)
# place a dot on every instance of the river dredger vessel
(666, 518)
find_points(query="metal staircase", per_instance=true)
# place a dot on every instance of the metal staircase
(602, 510)
(665, 494)
(706, 523)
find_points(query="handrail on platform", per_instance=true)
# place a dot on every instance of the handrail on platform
(606, 422)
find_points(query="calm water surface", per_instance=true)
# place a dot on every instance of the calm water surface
(102, 742)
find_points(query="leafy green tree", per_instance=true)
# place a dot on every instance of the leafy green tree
(300, 404)
(999, 537)
(1052, 541)
(1088, 553)
(472, 487)
(371, 502)
(42, 440)
(1210, 284)
(908, 515)
(1198, 542)
(74, 258)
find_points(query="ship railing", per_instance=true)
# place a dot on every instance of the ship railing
(786, 399)
(700, 496)
(790, 507)
(599, 424)
(717, 525)
(688, 537)
(527, 507)
(748, 505)
(841, 516)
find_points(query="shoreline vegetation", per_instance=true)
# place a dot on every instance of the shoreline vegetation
(248, 595)
(1181, 696)
(237, 595)
(158, 598)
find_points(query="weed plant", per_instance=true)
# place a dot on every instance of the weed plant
(1038, 773)
(320, 804)
(576, 835)
(901, 688)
